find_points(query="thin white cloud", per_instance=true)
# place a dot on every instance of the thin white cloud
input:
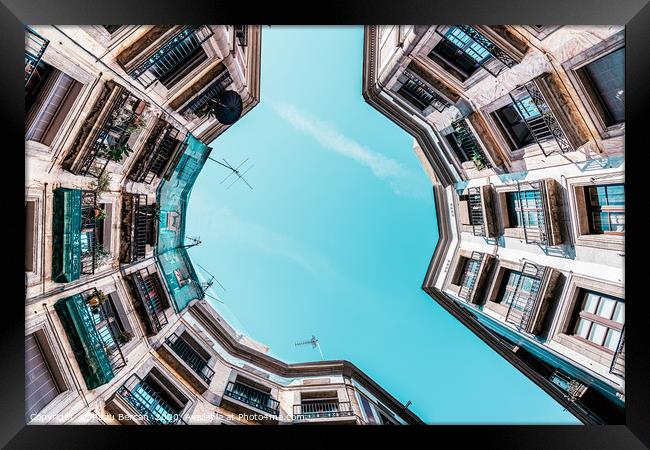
(328, 137)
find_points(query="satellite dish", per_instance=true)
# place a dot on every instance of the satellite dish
(227, 107)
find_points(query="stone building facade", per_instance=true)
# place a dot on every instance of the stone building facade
(521, 130)
(118, 329)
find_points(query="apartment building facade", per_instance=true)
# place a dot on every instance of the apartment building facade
(118, 329)
(521, 130)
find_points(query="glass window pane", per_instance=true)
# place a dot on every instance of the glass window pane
(611, 341)
(591, 301)
(582, 328)
(617, 220)
(615, 195)
(606, 307)
(597, 333)
(608, 77)
(619, 313)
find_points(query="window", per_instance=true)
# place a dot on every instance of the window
(509, 288)
(524, 209)
(155, 397)
(40, 385)
(49, 96)
(460, 53)
(368, 410)
(109, 324)
(512, 118)
(457, 146)
(112, 28)
(600, 320)
(419, 94)
(606, 208)
(30, 234)
(604, 80)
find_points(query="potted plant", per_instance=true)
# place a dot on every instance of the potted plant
(124, 336)
(102, 184)
(478, 161)
(100, 213)
(101, 254)
(117, 152)
(97, 300)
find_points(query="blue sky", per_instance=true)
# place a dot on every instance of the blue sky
(335, 238)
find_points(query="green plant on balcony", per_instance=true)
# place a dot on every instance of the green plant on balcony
(101, 184)
(124, 336)
(101, 255)
(116, 152)
(136, 124)
(100, 213)
(97, 300)
(478, 161)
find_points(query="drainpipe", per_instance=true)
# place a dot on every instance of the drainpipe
(44, 214)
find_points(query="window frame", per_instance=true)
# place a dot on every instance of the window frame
(579, 314)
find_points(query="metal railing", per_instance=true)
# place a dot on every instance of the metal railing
(253, 397)
(476, 211)
(155, 160)
(149, 291)
(241, 34)
(420, 95)
(113, 133)
(470, 276)
(89, 225)
(618, 361)
(526, 297)
(145, 398)
(176, 51)
(544, 127)
(321, 409)
(197, 105)
(100, 317)
(141, 222)
(191, 357)
(35, 46)
(499, 60)
(465, 139)
(537, 232)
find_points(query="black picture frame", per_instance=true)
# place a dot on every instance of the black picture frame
(635, 14)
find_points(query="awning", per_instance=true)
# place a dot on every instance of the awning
(85, 341)
(66, 235)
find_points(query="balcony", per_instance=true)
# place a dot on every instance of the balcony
(534, 210)
(466, 141)
(187, 361)
(243, 398)
(75, 221)
(533, 106)
(93, 342)
(465, 48)
(323, 410)
(158, 153)
(193, 103)
(618, 361)
(470, 275)
(136, 227)
(177, 51)
(524, 309)
(35, 46)
(241, 34)
(139, 401)
(477, 212)
(420, 95)
(150, 300)
(106, 134)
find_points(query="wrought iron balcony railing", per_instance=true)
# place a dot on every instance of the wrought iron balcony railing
(158, 152)
(526, 297)
(253, 397)
(534, 212)
(146, 400)
(241, 34)
(149, 293)
(541, 122)
(421, 95)
(89, 225)
(112, 134)
(91, 337)
(197, 107)
(618, 361)
(321, 409)
(466, 140)
(476, 211)
(191, 357)
(175, 52)
(477, 46)
(35, 46)
(470, 275)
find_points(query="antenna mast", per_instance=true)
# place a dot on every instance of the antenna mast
(239, 171)
(314, 344)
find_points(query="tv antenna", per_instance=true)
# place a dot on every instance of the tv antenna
(239, 171)
(193, 242)
(314, 344)
(205, 285)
